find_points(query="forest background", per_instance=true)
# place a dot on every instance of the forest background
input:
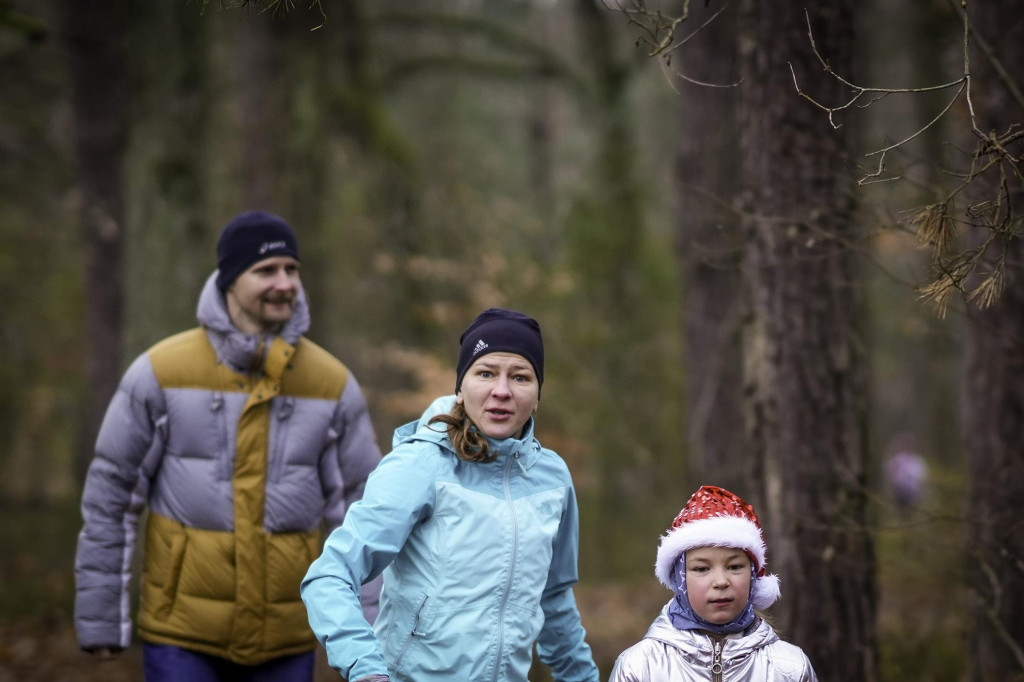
(732, 289)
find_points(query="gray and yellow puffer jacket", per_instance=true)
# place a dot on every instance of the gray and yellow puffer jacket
(240, 470)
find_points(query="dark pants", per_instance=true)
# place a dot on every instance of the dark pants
(173, 664)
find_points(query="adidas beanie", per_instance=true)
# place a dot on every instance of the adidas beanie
(498, 329)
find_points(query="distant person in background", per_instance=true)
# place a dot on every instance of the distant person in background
(474, 526)
(906, 474)
(714, 559)
(242, 438)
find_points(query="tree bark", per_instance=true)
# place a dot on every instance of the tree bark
(994, 402)
(805, 371)
(710, 247)
(617, 318)
(994, 392)
(92, 34)
(170, 246)
(262, 113)
(358, 108)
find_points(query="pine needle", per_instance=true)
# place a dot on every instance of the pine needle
(986, 293)
(935, 227)
(939, 293)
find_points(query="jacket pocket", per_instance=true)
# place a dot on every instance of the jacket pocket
(165, 555)
(414, 632)
(282, 412)
(224, 447)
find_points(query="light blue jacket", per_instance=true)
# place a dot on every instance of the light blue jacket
(479, 561)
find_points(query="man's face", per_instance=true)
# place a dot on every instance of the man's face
(263, 297)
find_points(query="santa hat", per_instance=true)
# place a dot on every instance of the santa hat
(715, 517)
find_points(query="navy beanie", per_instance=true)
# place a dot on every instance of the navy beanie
(498, 329)
(249, 238)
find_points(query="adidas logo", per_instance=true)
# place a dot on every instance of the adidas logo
(480, 345)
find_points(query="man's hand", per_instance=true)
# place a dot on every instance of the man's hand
(105, 653)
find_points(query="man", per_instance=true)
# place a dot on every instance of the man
(243, 438)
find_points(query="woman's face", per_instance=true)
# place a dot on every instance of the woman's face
(718, 582)
(499, 393)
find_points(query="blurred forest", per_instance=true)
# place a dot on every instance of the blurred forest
(682, 193)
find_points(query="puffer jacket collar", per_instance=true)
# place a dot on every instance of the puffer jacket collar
(697, 646)
(528, 448)
(234, 348)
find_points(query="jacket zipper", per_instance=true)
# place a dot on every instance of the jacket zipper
(716, 662)
(511, 568)
(521, 467)
(414, 632)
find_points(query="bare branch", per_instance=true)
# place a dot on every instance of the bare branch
(658, 29)
(935, 224)
(861, 89)
(991, 608)
(697, 30)
(1007, 81)
(963, 86)
(707, 85)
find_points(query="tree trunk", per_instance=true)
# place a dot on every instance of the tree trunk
(805, 381)
(311, 56)
(994, 402)
(359, 108)
(262, 113)
(171, 246)
(709, 253)
(994, 393)
(92, 32)
(616, 315)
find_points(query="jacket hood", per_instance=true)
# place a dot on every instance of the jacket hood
(234, 347)
(697, 645)
(527, 446)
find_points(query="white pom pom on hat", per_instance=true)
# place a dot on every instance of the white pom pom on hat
(715, 517)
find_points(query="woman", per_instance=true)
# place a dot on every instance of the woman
(474, 526)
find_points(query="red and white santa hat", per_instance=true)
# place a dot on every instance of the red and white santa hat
(715, 517)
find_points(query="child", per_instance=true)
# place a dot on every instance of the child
(713, 558)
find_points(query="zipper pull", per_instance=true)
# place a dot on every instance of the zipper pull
(716, 662)
(521, 467)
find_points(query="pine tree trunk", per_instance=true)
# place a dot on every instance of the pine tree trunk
(93, 31)
(262, 114)
(171, 244)
(709, 252)
(995, 421)
(806, 371)
(994, 389)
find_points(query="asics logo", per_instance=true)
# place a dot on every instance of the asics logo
(268, 246)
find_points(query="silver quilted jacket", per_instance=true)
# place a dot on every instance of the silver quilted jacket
(666, 654)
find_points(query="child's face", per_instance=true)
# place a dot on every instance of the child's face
(717, 582)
